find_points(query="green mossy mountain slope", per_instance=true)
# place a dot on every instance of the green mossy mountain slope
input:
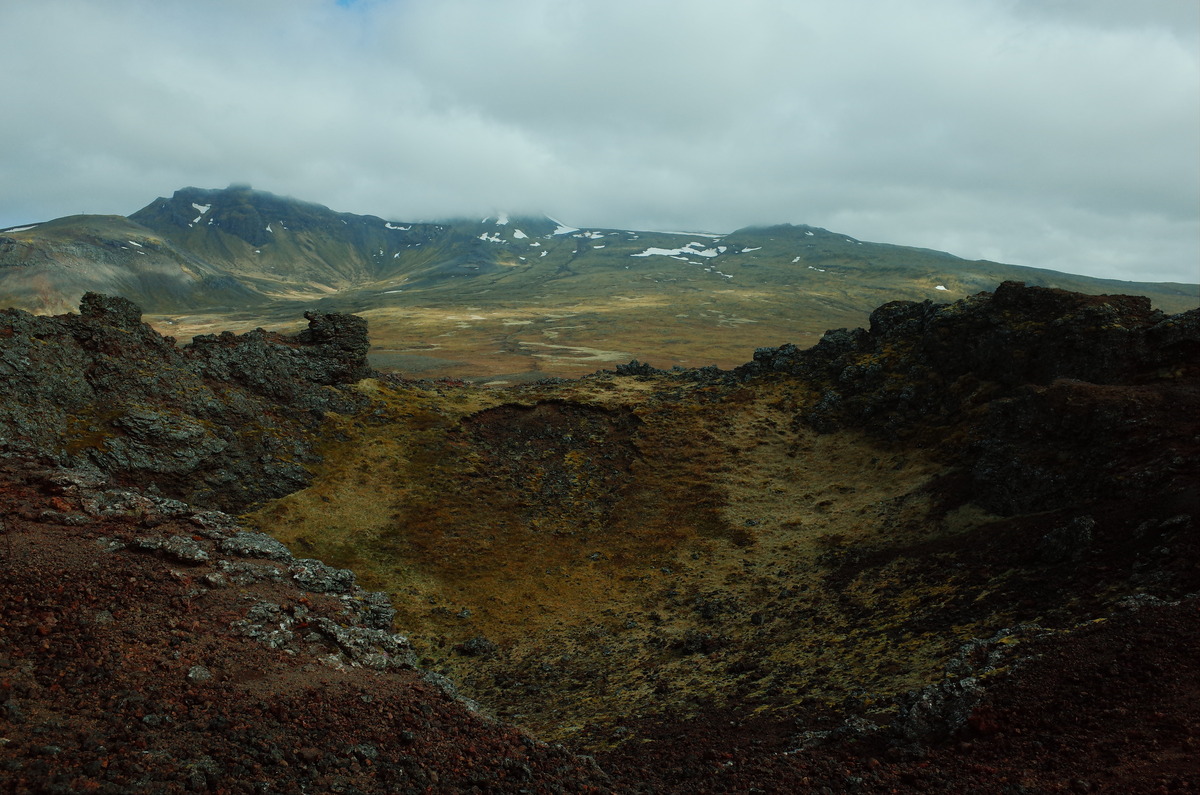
(501, 298)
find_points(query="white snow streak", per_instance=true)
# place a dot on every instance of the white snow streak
(690, 248)
(562, 229)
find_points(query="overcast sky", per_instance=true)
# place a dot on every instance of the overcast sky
(1052, 133)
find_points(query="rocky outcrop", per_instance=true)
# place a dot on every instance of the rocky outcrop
(330, 352)
(226, 421)
(921, 361)
(1048, 397)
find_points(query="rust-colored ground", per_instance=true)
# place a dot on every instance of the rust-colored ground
(96, 648)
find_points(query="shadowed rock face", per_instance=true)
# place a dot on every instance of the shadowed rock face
(905, 367)
(226, 421)
(1063, 391)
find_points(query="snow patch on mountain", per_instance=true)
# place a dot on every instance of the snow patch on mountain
(562, 229)
(693, 248)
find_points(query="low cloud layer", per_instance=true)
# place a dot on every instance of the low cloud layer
(1058, 134)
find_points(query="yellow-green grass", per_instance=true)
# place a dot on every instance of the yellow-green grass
(598, 557)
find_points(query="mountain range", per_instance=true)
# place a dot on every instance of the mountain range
(501, 298)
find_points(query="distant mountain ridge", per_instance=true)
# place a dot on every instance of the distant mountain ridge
(498, 288)
(250, 233)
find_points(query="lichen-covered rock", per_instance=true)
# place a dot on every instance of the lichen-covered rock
(255, 545)
(317, 576)
(184, 550)
(937, 711)
(371, 648)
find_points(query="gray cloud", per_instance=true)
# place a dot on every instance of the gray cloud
(1056, 133)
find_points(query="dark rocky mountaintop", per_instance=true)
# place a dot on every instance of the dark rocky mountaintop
(256, 217)
(955, 552)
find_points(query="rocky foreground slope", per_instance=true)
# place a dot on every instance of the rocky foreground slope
(954, 552)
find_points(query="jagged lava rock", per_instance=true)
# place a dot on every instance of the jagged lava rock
(226, 421)
(1056, 392)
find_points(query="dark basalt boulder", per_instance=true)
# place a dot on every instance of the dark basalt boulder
(341, 342)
